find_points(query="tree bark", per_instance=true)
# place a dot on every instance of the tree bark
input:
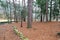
(46, 10)
(50, 10)
(29, 23)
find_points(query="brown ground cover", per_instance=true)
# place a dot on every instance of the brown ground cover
(39, 31)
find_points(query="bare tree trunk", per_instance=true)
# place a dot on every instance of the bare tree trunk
(29, 23)
(19, 12)
(50, 10)
(15, 16)
(41, 14)
(10, 12)
(10, 16)
(7, 14)
(46, 10)
(24, 11)
(21, 21)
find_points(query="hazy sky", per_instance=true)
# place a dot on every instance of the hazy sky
(17, 1)
(20, 1)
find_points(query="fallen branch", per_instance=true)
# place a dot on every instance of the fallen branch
(20, 34)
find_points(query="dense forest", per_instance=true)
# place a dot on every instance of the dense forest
(30, 11)
(29, 19)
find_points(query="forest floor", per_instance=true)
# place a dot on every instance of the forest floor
(39, 31)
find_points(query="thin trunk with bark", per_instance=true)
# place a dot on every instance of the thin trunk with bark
(10, 12)
(50, 10)
(24, 19)
(41, 14)
(15, 15)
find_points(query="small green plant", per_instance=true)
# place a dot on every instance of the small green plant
(20, 34)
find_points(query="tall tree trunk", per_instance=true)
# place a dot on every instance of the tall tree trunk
(50, 10)
(29, 23)
(24, 11)
(10, 15)
(19, 12)
(41, 14)
(7, 14)
(46, 10)
(15, 16)
(21, 21)
(10, 12)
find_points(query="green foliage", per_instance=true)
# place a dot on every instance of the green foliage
(40, 2)
(56, 10)
(23, 13)
(42, 5)
(58, 1)
(3, 4)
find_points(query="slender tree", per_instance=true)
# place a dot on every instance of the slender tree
(10, 11)
(56, 10)
(42, 5)
(15, 14)
(46, 10)
(5, 5)
(50, 10)
(24, 11)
